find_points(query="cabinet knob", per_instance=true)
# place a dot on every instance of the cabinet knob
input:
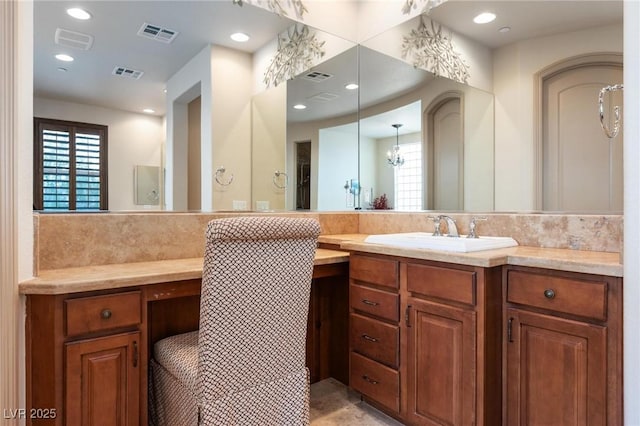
(105, 314)
(549, 293)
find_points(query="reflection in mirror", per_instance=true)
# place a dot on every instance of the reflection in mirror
(513, 65)
(126, 70)
(548, 64)
(146, 185)
(268, 147)
(446, 138)
(322, 137)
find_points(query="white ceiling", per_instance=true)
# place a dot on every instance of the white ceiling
(115, 23)
(114, 26)
(526, 18)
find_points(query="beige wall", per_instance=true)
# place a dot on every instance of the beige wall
(16, 223)
(231, 124)
(514, 72)
(133, 139)
(269, 127)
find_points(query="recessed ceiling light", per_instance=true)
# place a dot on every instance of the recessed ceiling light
(239, 37)
(504, 30)
(164, 90)
(299, 106)
(351, 86)
(484, 18)
(148, 110)
(64, 58)
(76, 12)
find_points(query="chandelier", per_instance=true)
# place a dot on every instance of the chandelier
(394, 158)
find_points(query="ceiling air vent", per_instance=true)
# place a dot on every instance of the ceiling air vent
(157, 32)
(73, 39)
(316, 76)
(127, 72)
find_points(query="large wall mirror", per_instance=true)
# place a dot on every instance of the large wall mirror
(511, 137)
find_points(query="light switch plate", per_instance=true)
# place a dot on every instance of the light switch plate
(262, 205)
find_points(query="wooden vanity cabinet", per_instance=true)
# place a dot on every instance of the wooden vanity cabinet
(83, 358)
(564, 348)
(102, 379)
(452, 324)
(374, 330)
(426, 339)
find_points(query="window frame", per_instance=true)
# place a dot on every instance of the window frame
(72, 127)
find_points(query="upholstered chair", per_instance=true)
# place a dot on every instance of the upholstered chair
(246, 363)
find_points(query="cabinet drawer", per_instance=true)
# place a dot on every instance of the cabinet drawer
(375, 339)
(443, 283)
(89, 314)
(375, 302)
(375, 381)
(571, 296)
(374, 270)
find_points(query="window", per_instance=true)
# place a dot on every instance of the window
(70, 165)
(408, 178)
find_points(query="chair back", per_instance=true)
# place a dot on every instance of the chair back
(255, 299)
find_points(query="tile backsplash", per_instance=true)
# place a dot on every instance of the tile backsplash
(83, 239)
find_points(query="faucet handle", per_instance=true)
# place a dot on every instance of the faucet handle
(472, 226)
(436, 225)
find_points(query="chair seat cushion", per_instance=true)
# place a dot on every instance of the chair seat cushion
(179, 356)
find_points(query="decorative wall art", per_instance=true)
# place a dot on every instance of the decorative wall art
(428, 5)
(277, 7)
(427, 47)
(298, 51)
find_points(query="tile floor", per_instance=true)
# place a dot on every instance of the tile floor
(333, 404)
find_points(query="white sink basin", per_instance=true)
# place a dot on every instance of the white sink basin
(426, 240)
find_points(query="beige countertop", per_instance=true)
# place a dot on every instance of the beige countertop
(590, 262)
(89, 278)
(102, 277)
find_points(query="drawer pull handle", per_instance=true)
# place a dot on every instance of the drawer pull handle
(105, 314)
(370, 380)
(369, 338)
(549, 293)
(369, 302)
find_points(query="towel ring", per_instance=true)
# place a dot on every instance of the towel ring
(616, 111)
(282, 176)
(220, 177)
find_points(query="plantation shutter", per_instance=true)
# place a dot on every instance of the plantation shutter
(70, 166)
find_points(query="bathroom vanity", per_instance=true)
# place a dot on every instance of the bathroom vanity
(475, 339)
(518, 335)
(90, 333)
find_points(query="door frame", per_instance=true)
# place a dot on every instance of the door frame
(614, 59)
(428, 148)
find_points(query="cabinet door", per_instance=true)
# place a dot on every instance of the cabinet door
(441, 364)
(102, 379)
(556, 371)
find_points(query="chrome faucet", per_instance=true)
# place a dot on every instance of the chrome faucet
(472, 227)
(452, 229)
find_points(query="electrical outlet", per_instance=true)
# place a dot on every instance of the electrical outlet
(262, 205)
(239, 205)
